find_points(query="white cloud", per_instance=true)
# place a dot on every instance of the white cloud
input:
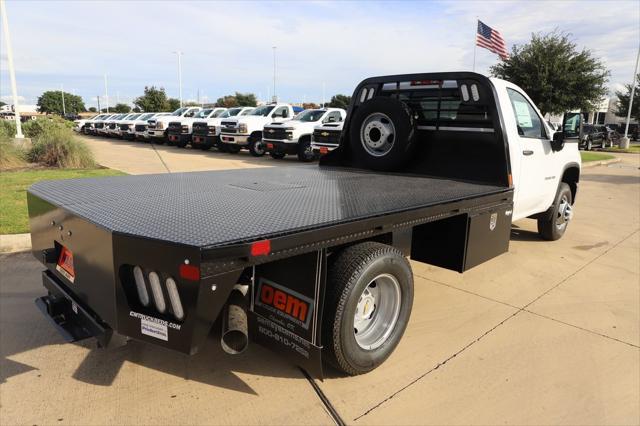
(227, 46)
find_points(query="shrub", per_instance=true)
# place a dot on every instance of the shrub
(57, 147)
(11, 156)
(35, 128)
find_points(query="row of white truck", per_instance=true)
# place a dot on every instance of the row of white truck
(277, 129)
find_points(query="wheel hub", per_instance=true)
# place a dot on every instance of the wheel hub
(377, 134)
(565, 213)
(377, 312)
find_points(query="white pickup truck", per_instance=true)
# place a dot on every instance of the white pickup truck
(206, 133)
(179, 131)
(140, 125)
(127, 127)
(311, 262)
(294, 136)
(326, 137)
(246, 132)
(158, 126)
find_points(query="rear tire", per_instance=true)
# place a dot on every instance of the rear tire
(552, 228)
(257, 148)
(382, 134)
(369, 300)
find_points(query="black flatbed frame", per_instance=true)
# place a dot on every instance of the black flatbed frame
(218, 209)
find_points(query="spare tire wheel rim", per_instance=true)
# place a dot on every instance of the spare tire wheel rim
(377, 312)
(377, 134)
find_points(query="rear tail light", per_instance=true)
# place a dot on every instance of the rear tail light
(174, 298)
(156, 289)
(143, 294)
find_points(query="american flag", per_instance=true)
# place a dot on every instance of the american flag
(492, 40)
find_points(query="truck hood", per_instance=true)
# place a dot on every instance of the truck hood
(297, 126)
(252, 120)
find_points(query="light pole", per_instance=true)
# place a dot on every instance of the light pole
(12, 72)
(179, 53)
(64, 110)
(624, 143)
(275, 97)
(106, 93)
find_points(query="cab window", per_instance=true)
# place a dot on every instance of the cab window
(528, 122)
(281, 112)
(333, 117)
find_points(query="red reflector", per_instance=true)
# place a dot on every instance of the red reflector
(189, 272)
(260, 248)
(324, 150)
(65, 261)
(270, 145)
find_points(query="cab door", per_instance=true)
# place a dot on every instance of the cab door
(538, 176)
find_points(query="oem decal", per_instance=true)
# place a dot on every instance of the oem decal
(284, 303)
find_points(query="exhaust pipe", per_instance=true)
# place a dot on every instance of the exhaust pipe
(235, 328)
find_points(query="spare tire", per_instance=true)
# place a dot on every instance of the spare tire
(382, 134)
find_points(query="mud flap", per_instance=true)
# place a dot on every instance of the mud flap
(286, 308)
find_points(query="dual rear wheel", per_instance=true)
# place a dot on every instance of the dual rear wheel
(368, 305)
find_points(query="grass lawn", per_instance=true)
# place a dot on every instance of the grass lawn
(14, 218)
(634, 148)
(594, 156)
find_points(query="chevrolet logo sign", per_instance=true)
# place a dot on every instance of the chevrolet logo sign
(271, 131)
(324, 134)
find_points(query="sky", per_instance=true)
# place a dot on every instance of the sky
(323, 47)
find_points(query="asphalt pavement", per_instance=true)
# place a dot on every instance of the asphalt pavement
(548, 333)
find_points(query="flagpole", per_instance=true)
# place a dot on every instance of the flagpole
(475, 45)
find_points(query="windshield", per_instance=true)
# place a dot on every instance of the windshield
(219, 113)
(230, 113)
(145, 116)
(133, 117)
(310, 115)
(178, 112)
(204, 113)
(263, 110)
(247, 111)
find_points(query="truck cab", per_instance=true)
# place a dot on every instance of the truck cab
(246, 132)
(179, 131)
(294, 136)
(158, 126)
(206, 133)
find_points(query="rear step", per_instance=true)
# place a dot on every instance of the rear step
(71, 320)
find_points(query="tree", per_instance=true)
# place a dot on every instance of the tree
(622, 108)
(2, 104)
(136, 109)
(190, 104)
(555, 75)
(310, 105)
(121, 108)
(239, 99)
(93, 109)
(153, 100)
(339, 101)
(172, 104)
(51, 102)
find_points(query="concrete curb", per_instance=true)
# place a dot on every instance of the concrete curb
(601, 163)
(15, 242)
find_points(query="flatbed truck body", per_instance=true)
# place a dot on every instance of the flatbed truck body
(157, 258)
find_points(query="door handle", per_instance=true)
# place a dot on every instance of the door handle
(527, 152)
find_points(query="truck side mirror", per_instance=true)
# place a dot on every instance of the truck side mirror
(557, 143)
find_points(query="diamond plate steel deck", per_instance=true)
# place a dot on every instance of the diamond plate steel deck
(222, 207)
